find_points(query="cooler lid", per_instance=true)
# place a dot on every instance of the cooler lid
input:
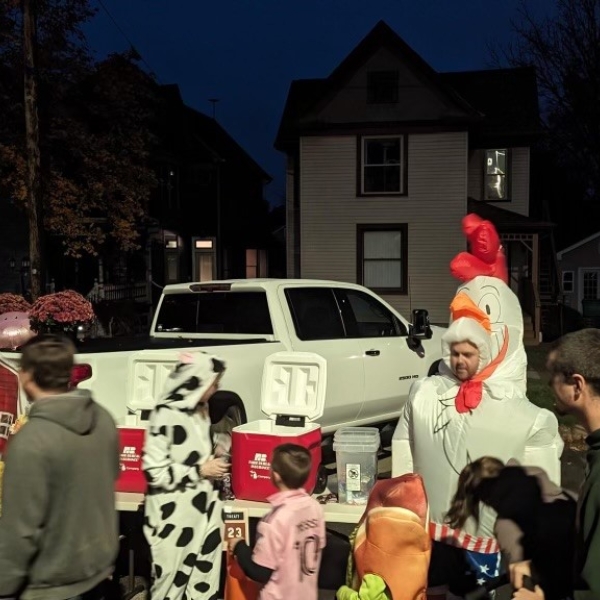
(294, 384)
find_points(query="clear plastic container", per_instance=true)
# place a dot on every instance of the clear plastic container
(356, 458)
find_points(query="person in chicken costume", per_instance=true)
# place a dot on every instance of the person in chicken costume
(451, 420)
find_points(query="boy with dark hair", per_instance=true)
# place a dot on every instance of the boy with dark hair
(291, 537)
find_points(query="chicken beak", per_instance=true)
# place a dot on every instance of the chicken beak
(463, 306)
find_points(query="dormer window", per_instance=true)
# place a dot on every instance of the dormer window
(496, 175)
(382, 87)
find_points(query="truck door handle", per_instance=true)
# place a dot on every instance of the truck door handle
(372, 353)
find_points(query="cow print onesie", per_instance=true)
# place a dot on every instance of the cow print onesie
(183, 518)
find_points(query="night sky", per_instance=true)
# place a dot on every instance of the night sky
(246, 52)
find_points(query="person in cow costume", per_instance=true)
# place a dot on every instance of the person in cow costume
(460, 415)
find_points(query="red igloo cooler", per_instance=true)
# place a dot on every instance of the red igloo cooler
(292, 397)
(131, 445)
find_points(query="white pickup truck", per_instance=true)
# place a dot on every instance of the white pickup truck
(373, 354)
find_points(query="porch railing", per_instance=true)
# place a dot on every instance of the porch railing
(530, 300)
(112, 292)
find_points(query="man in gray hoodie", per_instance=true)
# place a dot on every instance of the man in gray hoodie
(58, 527)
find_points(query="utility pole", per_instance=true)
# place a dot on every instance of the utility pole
(214, 101)
(32, 149)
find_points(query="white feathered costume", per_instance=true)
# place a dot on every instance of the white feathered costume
(446, 423)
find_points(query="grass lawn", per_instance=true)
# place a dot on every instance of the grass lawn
(538, 390)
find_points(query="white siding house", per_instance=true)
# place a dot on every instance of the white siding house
(385, 156)
(580, 270)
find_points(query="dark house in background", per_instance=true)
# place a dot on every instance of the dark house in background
(209, 215)
(206, 219)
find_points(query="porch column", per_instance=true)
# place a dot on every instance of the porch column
(535, 280)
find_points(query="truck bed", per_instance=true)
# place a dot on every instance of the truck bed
(135, 343)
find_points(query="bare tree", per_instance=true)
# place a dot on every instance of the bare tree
(564, 48)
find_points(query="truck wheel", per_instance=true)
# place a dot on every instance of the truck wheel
(434, 369)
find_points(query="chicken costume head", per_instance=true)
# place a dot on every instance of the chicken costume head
(486, 299)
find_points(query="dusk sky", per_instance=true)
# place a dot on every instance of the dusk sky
(246, 52)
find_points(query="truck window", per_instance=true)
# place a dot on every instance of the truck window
(315, 313)
(366, 317)
(215, 312)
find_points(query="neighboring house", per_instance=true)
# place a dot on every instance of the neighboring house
(208, 218)
(14, 248)
(580, 270)
(211, 217)
(385, 156)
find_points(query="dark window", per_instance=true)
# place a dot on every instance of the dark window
(496, 174)
(382, 87)
(382, 257)
(568, 282)
(383, 165)
(215, 312)
(591, 288)
(366, 317)
(315, 313)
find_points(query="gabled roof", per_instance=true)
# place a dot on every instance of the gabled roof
(201, 136)
(494, 102)
(311, 94)
(580, 243)
(383, 36)
(506, 220)
(507, 97)
(210, 134)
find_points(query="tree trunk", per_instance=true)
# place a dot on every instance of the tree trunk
(34, 200)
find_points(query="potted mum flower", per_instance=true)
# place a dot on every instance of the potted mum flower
(13, 303)
(62, 312)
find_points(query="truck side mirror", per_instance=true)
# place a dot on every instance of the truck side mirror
(420, 329)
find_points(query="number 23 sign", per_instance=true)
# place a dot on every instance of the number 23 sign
(235, 524)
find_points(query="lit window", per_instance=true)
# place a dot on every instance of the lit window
(496, 174)
(256, 263)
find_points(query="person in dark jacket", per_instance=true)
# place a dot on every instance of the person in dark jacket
(574, 367)
(535, 518)
(58, 527)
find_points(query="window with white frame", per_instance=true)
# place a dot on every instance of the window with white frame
(496, 174)
(568, 282)
(382, 257)
(383, 165)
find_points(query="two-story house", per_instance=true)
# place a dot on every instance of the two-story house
(385, 156)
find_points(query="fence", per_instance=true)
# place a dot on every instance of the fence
(110, 292)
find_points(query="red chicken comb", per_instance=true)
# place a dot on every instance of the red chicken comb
(485, 256)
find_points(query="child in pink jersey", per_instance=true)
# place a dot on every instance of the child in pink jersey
(291, 537)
